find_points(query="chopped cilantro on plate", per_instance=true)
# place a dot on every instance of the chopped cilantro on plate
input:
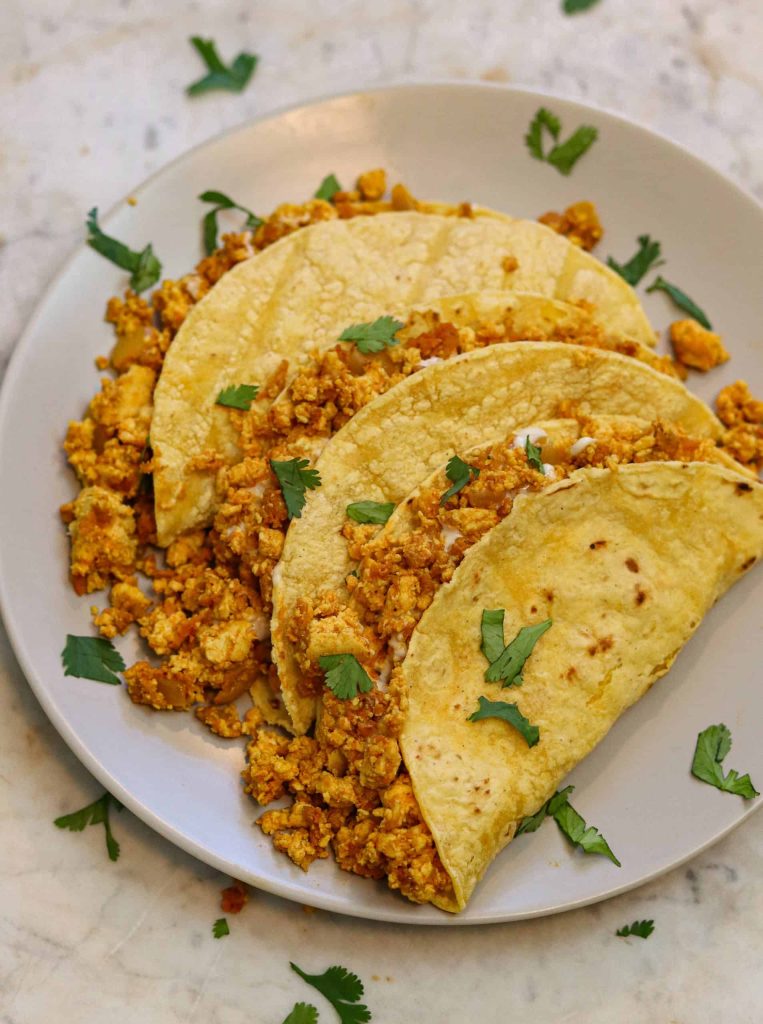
(681, 299)
(328, 188)
(646, 258)
(238, 396)
(345, 676)
(92, 657)
(377, 512)
(459, 473)
(295, 479)
(222, 202)
(374, 336)
(713, 744)
(562, 155)
(144, 267)
(508, 713)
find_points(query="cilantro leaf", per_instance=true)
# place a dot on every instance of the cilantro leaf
(222, 202)
(713, 744)
(548, 810)
(509, 713)
(220, 927)
(345, 676)
(492, 633)
(507, 667)
(563, 155)
(328, 188)
(92, 657)
(646, 258)
(375, 336)
(533, 453)
(234, 78)
(370, 511)
(295, 480)
(681, 299)
(566, 154)
(534, 137)
(588, 838)
(575, 6)
(641, 928)
(145, 269)
(342, 989)
(459, 473)
(238, 396)
(96, 813)
(302, 1013)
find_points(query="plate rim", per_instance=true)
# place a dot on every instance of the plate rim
(405, 914)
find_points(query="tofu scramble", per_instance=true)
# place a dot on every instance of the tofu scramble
(207, 620)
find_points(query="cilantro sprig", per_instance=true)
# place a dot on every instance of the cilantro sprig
(238, 396)
(345, 676)
(377, 512)
(328, 188)
(548, 810)
(220, 927)
(234, 77)
(92, 657)
(507, 667)
(295, 480)
(533, 453)
(302, 1013)
(576, 6)
(643, 929)
(588, 838)
(646, 258)
(508, 713)
(681, 299)
(713, 744)
(562, 155)
(96, 813)
(144, 267)
(374, 336)
(571, 825)
(222, 202)
(459, 473)
(343, 990)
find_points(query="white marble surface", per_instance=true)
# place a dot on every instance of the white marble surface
(92, 102)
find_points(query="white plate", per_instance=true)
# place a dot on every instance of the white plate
(449, 142)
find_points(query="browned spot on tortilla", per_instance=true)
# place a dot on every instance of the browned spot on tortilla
(571, 673)
(640, 595)
(533, 609)
(549, 595)
(631, 564)
(601, 645)
(750, 561)
(743, 488)
(597, 544)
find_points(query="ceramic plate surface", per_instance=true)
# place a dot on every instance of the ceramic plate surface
(449, 142)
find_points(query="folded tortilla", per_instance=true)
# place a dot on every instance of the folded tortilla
(625, 562)
(393, 443)
(307, 287)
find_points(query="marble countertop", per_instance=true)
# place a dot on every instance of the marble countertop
(93, 102)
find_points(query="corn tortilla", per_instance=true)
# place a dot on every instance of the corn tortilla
(626, 562)
(307, 287)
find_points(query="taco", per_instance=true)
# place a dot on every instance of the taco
(390, 445)
(387, 818)
(306, 288)
(624, 562)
